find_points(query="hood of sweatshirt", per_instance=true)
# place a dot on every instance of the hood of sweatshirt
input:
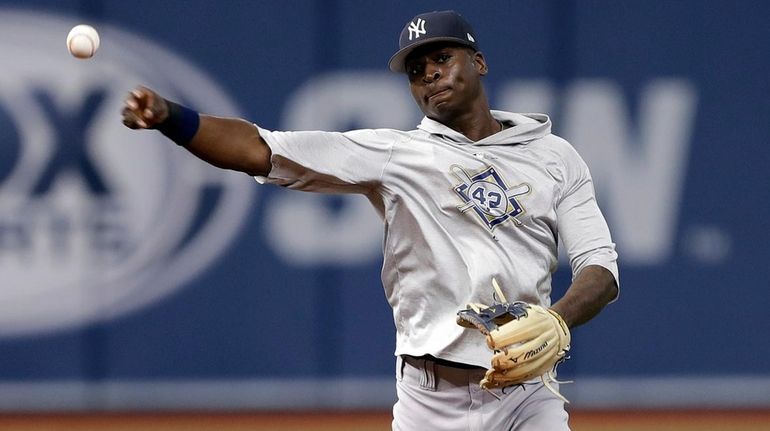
(519, 129)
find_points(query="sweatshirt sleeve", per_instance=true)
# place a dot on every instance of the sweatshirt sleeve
(331, 162)
(581, 225)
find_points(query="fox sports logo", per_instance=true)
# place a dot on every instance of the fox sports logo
(97, 220)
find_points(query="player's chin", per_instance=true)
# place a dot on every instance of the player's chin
(443, 111)
(439, 104)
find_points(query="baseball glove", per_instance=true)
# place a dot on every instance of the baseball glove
(528, 340)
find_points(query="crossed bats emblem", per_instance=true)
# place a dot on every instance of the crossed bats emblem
(488, 195)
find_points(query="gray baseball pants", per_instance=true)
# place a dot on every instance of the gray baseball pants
(436, 397)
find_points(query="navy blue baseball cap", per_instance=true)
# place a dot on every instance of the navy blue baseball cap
(438, 26)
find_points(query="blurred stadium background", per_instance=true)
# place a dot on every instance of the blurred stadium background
(142, 289)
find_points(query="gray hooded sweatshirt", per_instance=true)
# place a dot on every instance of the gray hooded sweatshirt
(456, 214)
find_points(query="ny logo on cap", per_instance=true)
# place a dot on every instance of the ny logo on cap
(416, 28)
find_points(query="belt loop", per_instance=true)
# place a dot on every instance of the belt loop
(400, 363)
(428, 378)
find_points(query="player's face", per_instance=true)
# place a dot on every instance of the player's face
(445, 80)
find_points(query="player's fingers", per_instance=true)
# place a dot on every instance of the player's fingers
(142, 94)
(131, 107)
(135, 101)
(132, 120)
(146, 106)
(132, 103)
(141, 97)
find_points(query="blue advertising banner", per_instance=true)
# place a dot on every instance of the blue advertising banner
(133, 275)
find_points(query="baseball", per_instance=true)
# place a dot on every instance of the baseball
(83, 41)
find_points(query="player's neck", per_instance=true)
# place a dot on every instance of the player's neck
(475, 124)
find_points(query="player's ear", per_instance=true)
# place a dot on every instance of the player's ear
(480, 63)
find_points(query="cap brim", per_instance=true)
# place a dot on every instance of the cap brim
(396, 63)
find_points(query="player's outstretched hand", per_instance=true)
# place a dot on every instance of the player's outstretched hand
(144, 109)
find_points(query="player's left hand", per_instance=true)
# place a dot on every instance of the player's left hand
(529, 341)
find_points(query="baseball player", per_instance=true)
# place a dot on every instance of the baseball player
(474, 202)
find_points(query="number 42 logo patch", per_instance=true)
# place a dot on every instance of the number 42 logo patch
(488, 195)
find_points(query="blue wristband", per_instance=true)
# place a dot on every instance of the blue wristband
(180, 125)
